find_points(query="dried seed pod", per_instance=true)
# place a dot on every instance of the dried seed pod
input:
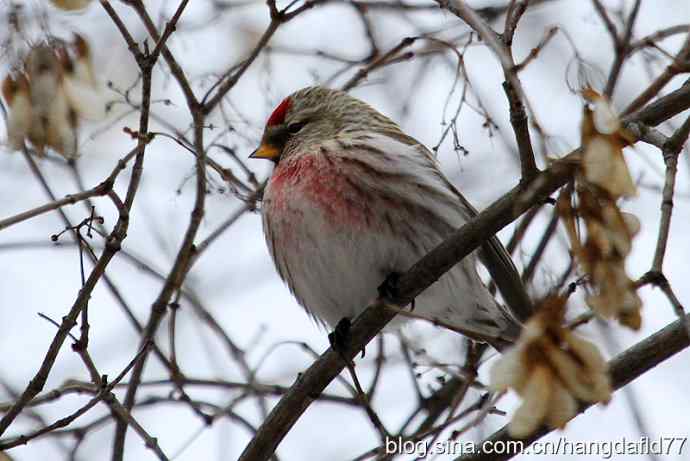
(53, 119)
(70, 5)
(83, 65)
(80, 83)
(550, 368)
(62, 128)
(16, 92)
(604, 178)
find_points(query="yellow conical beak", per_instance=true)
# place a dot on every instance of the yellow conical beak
(266, 151)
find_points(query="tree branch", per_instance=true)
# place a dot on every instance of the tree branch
(314, 380)
(513, 87)
(623, 368)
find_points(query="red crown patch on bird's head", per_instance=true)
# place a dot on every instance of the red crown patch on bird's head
(278, 115)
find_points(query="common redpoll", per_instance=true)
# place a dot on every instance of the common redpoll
(352, 200)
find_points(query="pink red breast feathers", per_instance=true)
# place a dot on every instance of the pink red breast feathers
(312, 135)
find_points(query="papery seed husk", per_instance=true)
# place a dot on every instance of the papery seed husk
(562, 406)
(632, 222)
(19, 119)
(87, 101)
(71, 5)
(605, 119)
(598, 235)
(533, 330)
(632, 320)
(536, 395)
(618, 230)
(576, 379)
(586, 351)
(604, 166)
(508, 371)
(61, 132)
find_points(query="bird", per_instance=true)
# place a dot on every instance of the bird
(352, 200)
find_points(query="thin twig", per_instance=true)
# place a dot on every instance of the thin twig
(470, 236)
(623, 369)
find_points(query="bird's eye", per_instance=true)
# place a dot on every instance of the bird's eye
(293, 128)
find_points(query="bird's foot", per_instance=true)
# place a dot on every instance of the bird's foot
(340, 337)
(389, 288)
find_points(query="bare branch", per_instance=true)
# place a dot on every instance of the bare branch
(313, 381)
(624, 368)
(657, 85)
(516, 94)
